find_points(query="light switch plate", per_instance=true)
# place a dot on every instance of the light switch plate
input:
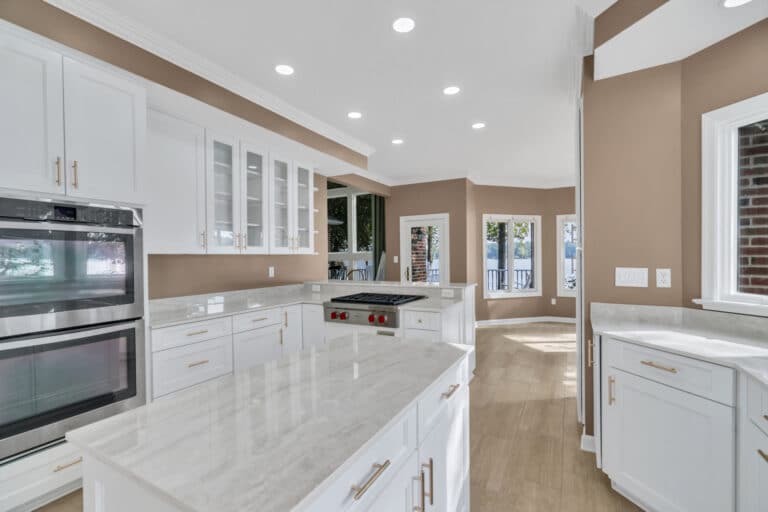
(632, 276)
(553, 301)
(446, 293)
(395, 259)
(663, 278)
(316, 288)
(271, 271)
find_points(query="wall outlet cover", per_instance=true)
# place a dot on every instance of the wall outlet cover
(395, 259)
(316, 288)
(663, 278)
(446, 293)
(271, 271)
(633, 277)
(553, 301)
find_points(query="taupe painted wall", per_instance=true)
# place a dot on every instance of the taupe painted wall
(642, 168)
(621, 16)
(176, 275)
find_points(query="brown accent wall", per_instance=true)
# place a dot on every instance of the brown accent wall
(178, 275)
(622, 15)
(361, 183)
(60, 26)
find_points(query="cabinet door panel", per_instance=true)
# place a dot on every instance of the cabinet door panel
(312, 325)
(292, 340)
(304, 204)
(222, 187)
(31, 125)
(402, 493)
(175, 207)
(256, 347)
(254, 199)
(670, 449)
(754, 470)
(280, 214)
(105, 129)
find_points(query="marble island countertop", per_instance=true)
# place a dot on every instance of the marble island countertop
(736, 341)
(234, 443)
(192, 308)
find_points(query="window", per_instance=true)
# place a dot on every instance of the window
(567, 241)
(364, 224)
(338, 236)
(511, 256)
(350, 233)
(735, 208)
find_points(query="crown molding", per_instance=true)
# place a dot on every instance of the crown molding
(129, 30)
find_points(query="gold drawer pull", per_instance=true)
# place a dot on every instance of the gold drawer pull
(451, 390)
(431, 467)
(62, 467)
(380, 468)
(75, 182)
(58, 171)
(659, 367)
(260, 319)
(763, 454)
(611, 390)
(423, 507)
(196, 333)
(198, 363)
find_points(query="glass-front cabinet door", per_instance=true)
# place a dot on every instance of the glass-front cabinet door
(223, 232)
(282, 223)
(304, 237)
(254, 200)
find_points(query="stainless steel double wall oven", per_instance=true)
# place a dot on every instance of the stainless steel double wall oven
(71, 327)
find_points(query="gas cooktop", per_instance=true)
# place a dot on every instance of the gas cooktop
(378, 299)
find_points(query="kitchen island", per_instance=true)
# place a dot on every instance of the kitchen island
(358, 423)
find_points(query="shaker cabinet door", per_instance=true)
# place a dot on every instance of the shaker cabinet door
(256, 347)
(292, 327)
(223, 189)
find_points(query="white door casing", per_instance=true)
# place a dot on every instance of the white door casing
(438, 220)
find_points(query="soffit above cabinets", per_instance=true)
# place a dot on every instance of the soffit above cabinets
(674, 31)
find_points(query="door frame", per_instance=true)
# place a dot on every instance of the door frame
(442, 220)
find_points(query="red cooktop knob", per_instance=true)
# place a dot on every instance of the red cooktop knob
(334, 315)
(371, 318)
(343, 315)
(382, 319)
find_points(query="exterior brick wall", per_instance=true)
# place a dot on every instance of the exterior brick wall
(753, 213)
(419, 254)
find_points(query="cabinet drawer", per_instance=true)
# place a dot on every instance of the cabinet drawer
(394, 445)
(707, 380)
(440, 396)
(30, 479)
(757, 404)
(422, 320)
(181, 367)
(256, 319)
(180, 335)
(422, 335)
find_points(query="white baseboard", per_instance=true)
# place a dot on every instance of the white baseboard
(588, 443)
(526, 320)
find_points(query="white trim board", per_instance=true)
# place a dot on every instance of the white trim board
(524, 320)
(588, 443)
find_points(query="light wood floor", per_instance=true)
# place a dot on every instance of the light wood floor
(524, 434)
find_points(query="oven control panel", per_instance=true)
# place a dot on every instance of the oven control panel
(354, 314)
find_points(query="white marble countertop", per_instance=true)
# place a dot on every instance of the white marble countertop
(265, 438)
(736, 341)
(193, 308)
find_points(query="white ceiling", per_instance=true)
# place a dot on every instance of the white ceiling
(516, 62)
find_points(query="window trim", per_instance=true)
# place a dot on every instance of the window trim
(351, 194)
(719, 207)
(562, 291)
(537, 244)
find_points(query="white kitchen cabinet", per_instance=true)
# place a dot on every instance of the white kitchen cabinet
(402, 492)
(291, 196)
(665, 447)
(175, 192)
(223, 194)
(754, 470)
(254, 187)
(304, 234)
(292, 327)
(105, 120)
(312, 325)
(258, 346)
(32, 125)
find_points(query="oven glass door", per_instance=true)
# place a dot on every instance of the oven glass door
(50, 379)
(60, 268)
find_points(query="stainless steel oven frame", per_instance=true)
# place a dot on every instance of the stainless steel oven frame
(18, 444)
(39, 322)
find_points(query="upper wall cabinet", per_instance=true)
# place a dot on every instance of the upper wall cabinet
(175, 211)
(292, 212)
(67, 127)
(254, 199)
(223, 194)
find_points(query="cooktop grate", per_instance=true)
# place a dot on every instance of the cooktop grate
(381, 299)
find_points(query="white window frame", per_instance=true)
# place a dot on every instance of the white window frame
(352, 254)
(562, 291)
(537, 244)
(719, 207)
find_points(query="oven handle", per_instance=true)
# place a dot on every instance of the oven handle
(61, 226)
(37, 341)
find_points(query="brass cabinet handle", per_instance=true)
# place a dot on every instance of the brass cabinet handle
(659, 367)
(361, 490)
(611, 389)
(281, 336)
(286, 319)
(196, 333)
(590, 353)
(763, 454)
(198, 363)
(74, 174)
(431, 467)
(451, 390)
(423, 507)
(62, 467)
(58, 171)
(203, 241)
(260, 319)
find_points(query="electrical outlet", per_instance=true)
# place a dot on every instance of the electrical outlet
(316, 288)
(446, 293)
(271, 271)
(663, 278)
(632, 277)
(395, 259)
(553, 301)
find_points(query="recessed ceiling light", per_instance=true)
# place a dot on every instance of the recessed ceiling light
(735, 3)
(397, 142)
(478, 126)
(403, 25)
(451, 90)
(354, 115)
(284, 69)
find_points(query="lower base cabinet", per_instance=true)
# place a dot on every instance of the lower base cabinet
(402, 493)
(257, 346)
(754, 474)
